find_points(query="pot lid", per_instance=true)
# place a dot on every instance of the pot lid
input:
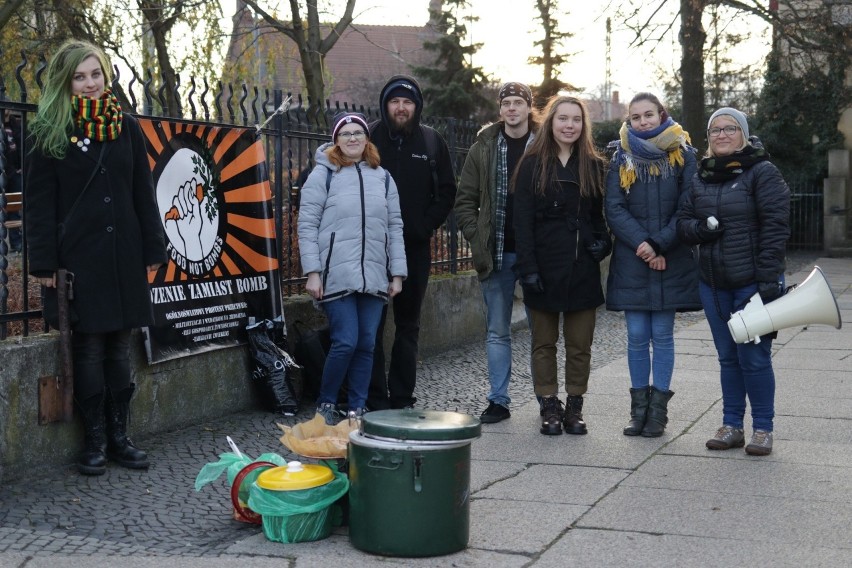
(295, 475)
(420, 425)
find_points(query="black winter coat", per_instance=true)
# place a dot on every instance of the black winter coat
(112, 230)
(551, 234)
(423, 209)
(754, 211)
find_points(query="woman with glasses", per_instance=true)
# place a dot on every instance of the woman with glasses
(651, 273)
(738, 211)
(351, 247)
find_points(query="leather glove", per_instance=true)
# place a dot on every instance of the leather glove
(599, 249)
(707, 235)
(531, 283)
(769, 291)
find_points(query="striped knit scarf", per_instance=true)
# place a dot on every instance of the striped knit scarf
(643, 155)
(99, 119)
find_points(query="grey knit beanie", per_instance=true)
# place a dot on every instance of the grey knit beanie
(733, 113)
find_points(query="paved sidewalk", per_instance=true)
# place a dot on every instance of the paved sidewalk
(597, 500)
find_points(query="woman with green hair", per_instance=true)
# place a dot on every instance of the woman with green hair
(90, 209)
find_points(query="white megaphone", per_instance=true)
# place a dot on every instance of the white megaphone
(810, 302)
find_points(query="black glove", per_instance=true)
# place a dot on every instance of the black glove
(531, 283)
(599, 249)
(707, 235)
(769, 291)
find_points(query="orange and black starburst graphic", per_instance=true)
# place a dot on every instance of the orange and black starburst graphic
(215, 203)
(235, 184)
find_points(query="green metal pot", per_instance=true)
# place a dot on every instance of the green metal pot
(409, 474)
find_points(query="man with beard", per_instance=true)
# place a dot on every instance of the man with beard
(419, 161)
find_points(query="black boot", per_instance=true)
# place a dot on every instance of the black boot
(658, 413)
(119, 447)
(639, 399)
(551, 415)
(572, 421)
(93, 460)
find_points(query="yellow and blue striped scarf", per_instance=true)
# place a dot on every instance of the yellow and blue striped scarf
(99, 119)
(657, 152)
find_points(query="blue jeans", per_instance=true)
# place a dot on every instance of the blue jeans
(643, 329)
(498, 291)
(746, 368)
(352, 324)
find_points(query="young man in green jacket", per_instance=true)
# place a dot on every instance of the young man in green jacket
(484, 213)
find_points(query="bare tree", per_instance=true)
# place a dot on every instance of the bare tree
(307, 35)
(39, 26)
(804, 26)
(8, 9)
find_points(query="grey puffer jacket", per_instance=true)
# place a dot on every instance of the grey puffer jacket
(754, 211)
(351, 233)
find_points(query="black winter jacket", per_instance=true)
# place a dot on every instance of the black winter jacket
(423, 210)
(113, 233)
(753, 209)
(551, 234)
(424, 207)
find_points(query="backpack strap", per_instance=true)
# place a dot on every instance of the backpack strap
(430, 136)
(328, 180)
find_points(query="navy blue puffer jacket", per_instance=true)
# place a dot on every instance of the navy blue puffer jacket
(648, 211)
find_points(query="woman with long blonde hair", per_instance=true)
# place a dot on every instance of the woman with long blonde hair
(561, 238)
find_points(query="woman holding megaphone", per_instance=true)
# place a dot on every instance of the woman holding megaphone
(737, 211)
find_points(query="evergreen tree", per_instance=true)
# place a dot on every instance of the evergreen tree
(552, 53)
(452, 86)
(797, 116)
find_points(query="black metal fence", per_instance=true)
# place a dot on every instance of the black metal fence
(291, 129)
(806, 214)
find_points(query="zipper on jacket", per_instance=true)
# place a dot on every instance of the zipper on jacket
(363, 227)
(722, 276)
(327, 261)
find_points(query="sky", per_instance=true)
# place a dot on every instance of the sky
(507, 30)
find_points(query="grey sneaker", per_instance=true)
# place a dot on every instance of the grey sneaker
(760, 444)
(355, 415)
(329, 412)
(726, 437)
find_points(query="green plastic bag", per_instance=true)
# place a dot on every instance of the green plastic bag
(232, 463)
(300, 516)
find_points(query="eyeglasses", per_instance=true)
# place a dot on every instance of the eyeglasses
(358, 135)
(730, 130)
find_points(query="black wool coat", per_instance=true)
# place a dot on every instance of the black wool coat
(551, 234)
(106, 233)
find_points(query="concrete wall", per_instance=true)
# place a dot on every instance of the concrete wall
(837, 204)
(189, 390)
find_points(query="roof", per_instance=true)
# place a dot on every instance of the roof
(356, 67)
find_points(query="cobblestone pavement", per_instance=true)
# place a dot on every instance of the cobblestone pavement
(158, 512)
